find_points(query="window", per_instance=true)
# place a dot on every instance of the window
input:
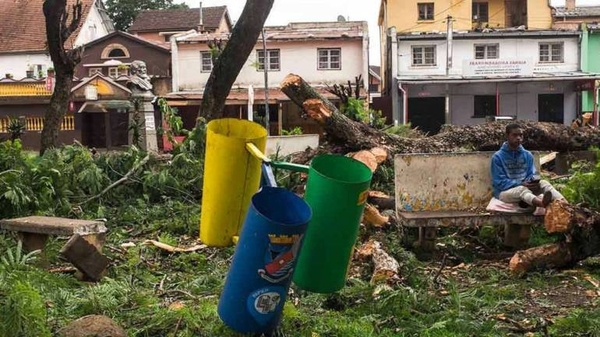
(425, 11)
(113, 72)
(206, 60)
(486, 51)
(484, 106)
(330, 59)
(114, 51)
(272, 60)
(373, 87)
(94, 71)
(423, 55)
(480, 12)
(117, 52)
(551, 52)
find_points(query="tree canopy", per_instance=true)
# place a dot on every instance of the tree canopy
(123, 12)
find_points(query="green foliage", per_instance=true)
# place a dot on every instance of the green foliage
(404, 130)
(578, 323)
(22, 310)
(123, 12)
(355, 110)
(172, 119)
(17, 259)
(584, 185)
(292, 132)
(16, 128)
(136, 127)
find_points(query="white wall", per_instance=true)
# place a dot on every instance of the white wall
(295, 57)
(465, 50)
(16, 64)
(92, 28)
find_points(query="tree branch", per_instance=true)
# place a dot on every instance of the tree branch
(120, 181)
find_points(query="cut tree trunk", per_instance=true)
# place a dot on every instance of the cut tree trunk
(372, 217)
(381, 200)
(356, 136)
(581, 227)
(234, 56)
(385, 268)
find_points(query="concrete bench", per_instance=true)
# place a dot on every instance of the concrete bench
(83, 249)
(452, 190)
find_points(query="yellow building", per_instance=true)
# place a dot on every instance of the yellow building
(412, 16)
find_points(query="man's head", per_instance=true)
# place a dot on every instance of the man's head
(139, 68)
(514, 135)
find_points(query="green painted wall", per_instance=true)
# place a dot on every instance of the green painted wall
(590, 61)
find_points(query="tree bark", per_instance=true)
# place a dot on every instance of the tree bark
(355, 136)
(381, 200)
(58, 32)
(582, 229)
(234, 56)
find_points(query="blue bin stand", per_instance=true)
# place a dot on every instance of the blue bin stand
(263, 263)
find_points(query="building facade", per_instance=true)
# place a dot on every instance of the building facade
(416, 16)
(494, 63)
(23, 35)
(323, 53)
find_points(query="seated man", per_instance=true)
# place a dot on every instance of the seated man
(514, 177)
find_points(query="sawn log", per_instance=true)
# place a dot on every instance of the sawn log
(356, 136)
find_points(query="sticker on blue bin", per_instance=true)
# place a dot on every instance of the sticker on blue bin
(280, 257)
(265, 303)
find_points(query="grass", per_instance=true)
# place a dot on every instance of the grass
(153, 293)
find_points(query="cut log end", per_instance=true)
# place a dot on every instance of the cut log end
(385, 267)
(372, 217)
(380, 154)
(558, 218)
(367, 158)
(316, 109)
(554, 255)
(291, 80)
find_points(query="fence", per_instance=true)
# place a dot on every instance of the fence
(37, 123)
(14, 89)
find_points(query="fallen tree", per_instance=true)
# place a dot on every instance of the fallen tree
(581, 227)
(356, 136)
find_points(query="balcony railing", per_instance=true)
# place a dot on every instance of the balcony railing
(13, 89)
(37, 123)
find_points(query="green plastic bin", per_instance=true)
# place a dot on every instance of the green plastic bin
(336, 190)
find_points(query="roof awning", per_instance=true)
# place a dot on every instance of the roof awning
(105, 105)
(573, 76)
(240, 96)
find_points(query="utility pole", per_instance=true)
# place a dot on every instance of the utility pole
(449, 21)
(266, 70)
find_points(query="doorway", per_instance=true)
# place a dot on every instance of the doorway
(94, 129)
(427, 114)
(551, 108)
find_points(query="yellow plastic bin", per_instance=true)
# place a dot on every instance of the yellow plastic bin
(231, 177)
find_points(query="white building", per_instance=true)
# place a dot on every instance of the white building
(322, 53)
(530, 75)
(23, 35)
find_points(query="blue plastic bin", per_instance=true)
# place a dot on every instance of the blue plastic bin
(264, 260)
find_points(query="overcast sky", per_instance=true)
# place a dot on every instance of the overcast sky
(285, 11)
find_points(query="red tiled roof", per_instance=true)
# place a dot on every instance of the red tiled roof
(177, 19)
(23, 25)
